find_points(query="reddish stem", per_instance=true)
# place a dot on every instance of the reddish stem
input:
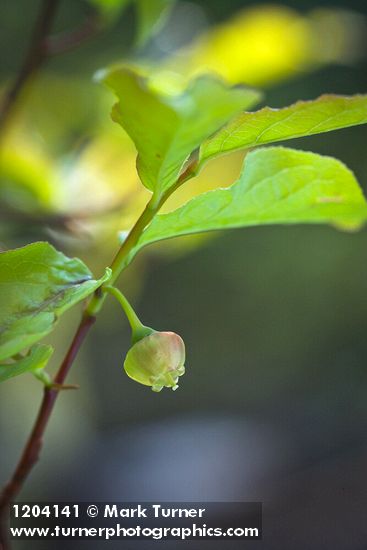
(32, 449)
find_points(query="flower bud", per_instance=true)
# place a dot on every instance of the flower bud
(157, 360)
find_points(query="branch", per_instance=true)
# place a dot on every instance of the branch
(35, 57)
(42, 47)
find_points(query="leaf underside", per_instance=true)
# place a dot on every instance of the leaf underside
(165, 128)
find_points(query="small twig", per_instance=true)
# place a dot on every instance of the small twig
(69, 40)
(62, 387)
(32, 449)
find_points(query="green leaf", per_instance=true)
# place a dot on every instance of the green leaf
(37, 285)
(167, 127)
(304, 118)
(35, 360)
(277, 186)
(152, 14)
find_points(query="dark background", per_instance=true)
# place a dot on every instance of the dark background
(273, 405)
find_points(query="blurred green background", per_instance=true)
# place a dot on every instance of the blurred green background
(273, 405)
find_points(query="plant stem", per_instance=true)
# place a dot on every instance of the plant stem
(33, 446)
(137, 328)
(120, 260)
(35, 57)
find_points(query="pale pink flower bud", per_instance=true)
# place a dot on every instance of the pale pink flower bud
(157, 360)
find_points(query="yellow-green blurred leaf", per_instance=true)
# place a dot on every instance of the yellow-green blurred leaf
(26, 176)
(263, 44)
